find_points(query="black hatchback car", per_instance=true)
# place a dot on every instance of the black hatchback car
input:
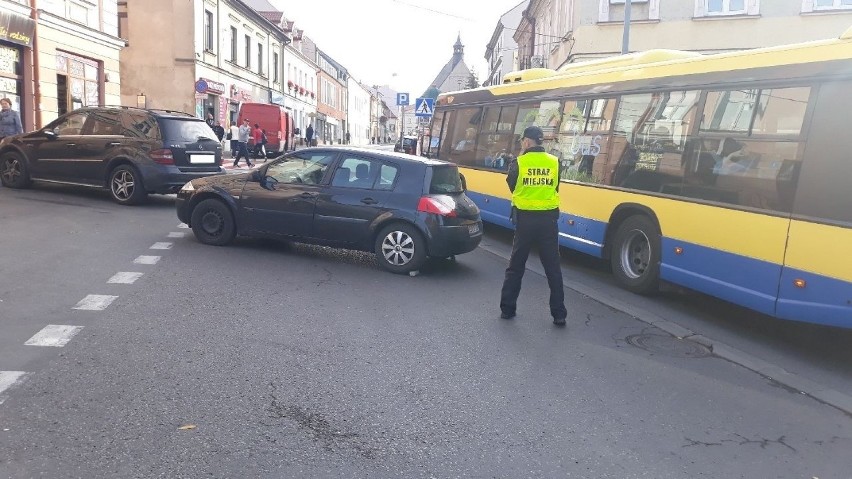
(404, 208)
(130, 151)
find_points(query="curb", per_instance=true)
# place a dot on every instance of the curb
(774, 373)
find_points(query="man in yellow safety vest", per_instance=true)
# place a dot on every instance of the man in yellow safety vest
(534, 182)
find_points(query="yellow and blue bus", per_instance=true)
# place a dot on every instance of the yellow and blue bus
(728, 174)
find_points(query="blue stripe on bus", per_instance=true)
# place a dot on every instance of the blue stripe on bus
(823, 300)
(586, 235)
(745, 281)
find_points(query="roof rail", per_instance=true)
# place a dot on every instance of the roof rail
(639, 58)
(529, 74)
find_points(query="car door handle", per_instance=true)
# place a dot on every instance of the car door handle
(369, 201)
(114, 143)
(307, 195)
(70, 144)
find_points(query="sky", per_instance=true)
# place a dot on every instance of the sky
(400, 43)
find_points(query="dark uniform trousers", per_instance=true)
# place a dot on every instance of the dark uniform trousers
(535, 228)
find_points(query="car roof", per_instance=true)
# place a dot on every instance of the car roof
(152, 111)
(391, 155)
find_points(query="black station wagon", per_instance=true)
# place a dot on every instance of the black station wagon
(130, 151)
(402, 207)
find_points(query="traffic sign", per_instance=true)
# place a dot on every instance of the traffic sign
(424, 107)
(402, 99)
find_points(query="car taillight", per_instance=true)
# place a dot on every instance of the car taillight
(438, 204)
(162, 157)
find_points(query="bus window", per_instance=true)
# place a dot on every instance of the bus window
(493, 148)
(460, 142)
(432, 142)
(729, 111)
(781, 111)
(443, 144)
(548, 116)
(582, 136)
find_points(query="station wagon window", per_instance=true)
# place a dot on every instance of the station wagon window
(103, 123)
(71, 124)
(137, 125)
(189, 130)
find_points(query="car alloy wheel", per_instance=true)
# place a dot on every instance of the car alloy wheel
(398, 248)
(123, 185)
(12, 170)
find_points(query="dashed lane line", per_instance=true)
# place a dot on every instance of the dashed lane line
(161, 245)
(55, 335)
(124, 277)
(183, 225)
(8, 380)
(95, 302)
(147, 260)
(177, 234)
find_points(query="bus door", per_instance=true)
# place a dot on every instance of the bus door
(816, 282)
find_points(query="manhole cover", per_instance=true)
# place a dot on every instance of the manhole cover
(669, 345)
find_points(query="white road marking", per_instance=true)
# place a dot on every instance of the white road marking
(147, 260)
(56, 335)
(183, 225)
(177, 235)
(8, 379)
(95, 302)
(124, 277)
(161, 245)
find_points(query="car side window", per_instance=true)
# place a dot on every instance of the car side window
(356, 172)
(306, 169)
(387, 177)
(71, 124)
(103, 123)
(137, 125)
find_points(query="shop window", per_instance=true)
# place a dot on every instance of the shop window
(78, 82)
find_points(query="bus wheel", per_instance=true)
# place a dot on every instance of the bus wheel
(635, 255)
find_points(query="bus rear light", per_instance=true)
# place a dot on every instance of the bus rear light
(438, 204)
(799, 283)
(678, 250)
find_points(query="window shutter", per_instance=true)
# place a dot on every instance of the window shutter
(603, 11)
(753, 7)
(807, 6)
(700, 8)
(654, 10)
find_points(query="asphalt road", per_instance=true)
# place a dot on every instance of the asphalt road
(273, 360)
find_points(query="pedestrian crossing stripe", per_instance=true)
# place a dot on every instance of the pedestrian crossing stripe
(424, 107)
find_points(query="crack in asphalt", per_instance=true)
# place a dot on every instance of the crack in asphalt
(741, 441)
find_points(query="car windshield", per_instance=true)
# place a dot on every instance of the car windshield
(445, 179)
(188, 130)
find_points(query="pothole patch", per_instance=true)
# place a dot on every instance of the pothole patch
(669, 345)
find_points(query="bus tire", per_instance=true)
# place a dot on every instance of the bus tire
(635, 255)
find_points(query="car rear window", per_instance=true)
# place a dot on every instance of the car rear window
(445, 179)
(188, 130)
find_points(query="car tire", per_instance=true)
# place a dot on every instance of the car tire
(213, 223)
(13, 171)
(635, 255)
(126, 187)
(400, 248)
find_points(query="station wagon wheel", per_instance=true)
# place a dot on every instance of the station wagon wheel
(125, 185)
(635, 255)
(400, 248)
(213, 223)
(13, 171)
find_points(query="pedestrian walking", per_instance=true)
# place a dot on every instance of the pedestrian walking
(309, 135)
(243, 136)
(234, 137)
(257, 136)
(534, 181)
(10, 120)
(348, 137)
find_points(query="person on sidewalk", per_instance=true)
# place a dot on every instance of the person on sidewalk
(242, 150)
(234, 136)
(534, 181)
(309, 135)
(10, 120)
(257, 136)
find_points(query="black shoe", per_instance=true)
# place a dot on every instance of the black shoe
(505, 315)
(559, 321)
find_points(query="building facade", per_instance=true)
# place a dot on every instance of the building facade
(577, 30)
(57, 55)
(501, 51)
(331, 124)
(359, 113)
(216, 54)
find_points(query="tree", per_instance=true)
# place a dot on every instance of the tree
(432, 92)
(472, 81)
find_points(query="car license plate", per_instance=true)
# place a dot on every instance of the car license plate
(202, 159)
(473, 229)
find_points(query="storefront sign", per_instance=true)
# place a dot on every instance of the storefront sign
(16, 28)
(203, 85)
(238, 94)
